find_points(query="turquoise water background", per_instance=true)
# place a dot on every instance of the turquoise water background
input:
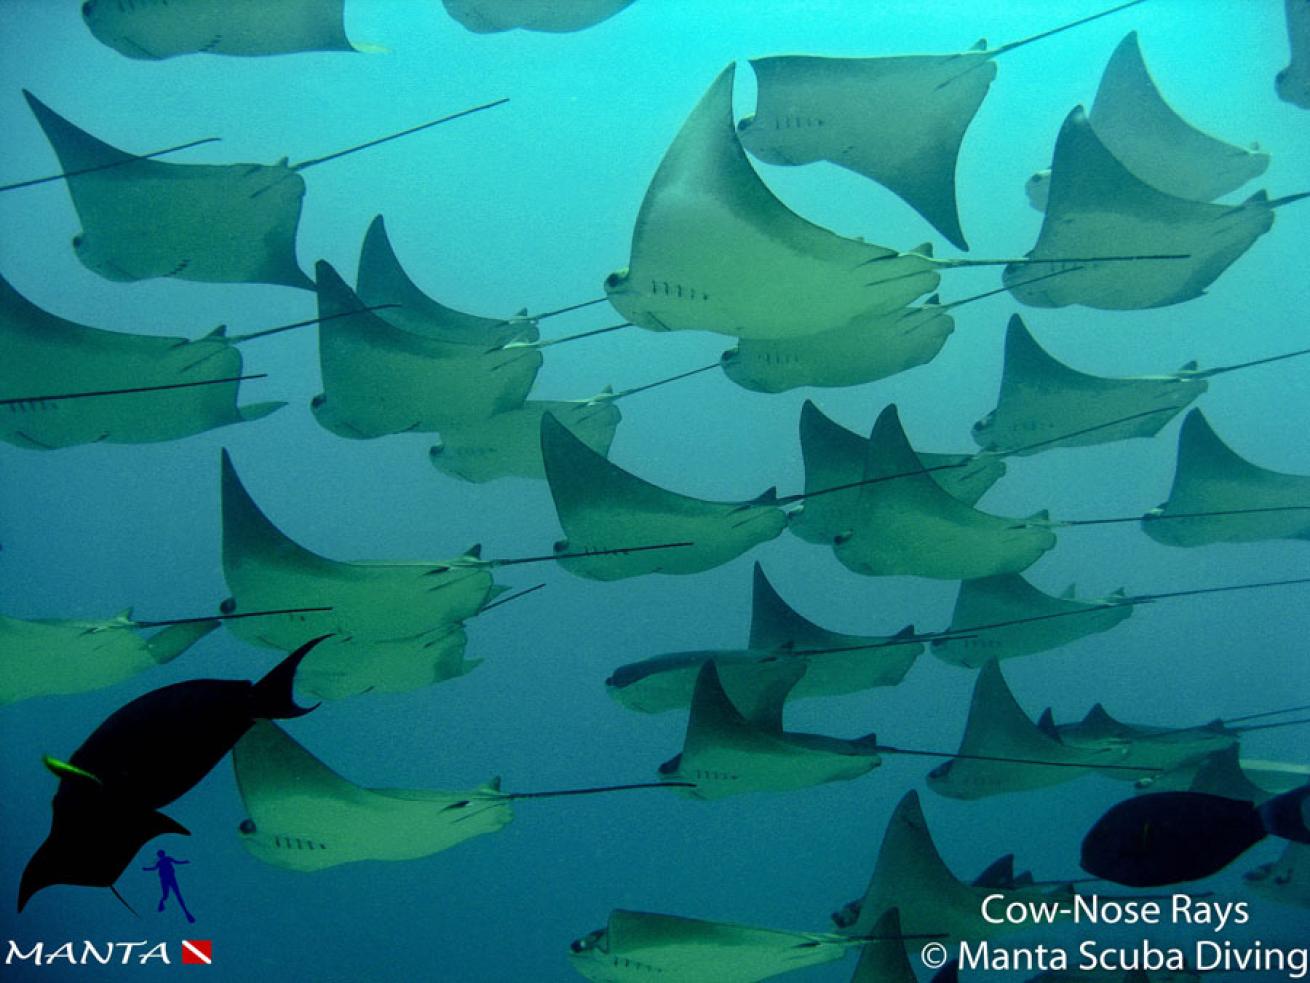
(532, 205)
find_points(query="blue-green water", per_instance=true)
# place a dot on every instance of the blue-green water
(532, 205)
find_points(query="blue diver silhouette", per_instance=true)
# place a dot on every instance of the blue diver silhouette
(168, 880)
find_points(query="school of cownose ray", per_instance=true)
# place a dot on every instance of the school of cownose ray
(1130, 222)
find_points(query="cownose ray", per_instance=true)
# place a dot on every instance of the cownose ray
(148, 753)
(508, 444)
(493, 16)
(600, 505)
(714, 250)
(1005, 616)
(910, 875)
(731, 750)
(1158, 749)
(381, 279)
(834, 458)
(138, 388)
(1096, 206)
(865, 350)
(1293, 82)
(1220, 497)
(997, 728)
(396, 625)
(1041, 397)
(50, 657)
(380, 378)
(778, 634)
(1151, 140)
(641, 945)
(153, 30)
(914, 526)
(896, 120)
(410, 611)
(227, 223)
(301, 815)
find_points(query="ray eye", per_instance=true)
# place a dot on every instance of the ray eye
(77, 241)
(247, 826)
(228, 606)
(612, 281)
(318, 401)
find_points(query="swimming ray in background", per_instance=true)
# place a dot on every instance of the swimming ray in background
(493, 16)
(148, 753)
(1293, 82)
(639, 945)
(600, 506)
(896, 120)
(865, 350)
(154, 31)
(380, 379)
(395, 625)
(1004, 617)
(714, 250)
(382, 280)
(1285, 880)
(731, 750)
(229, 223)
(911, 876)
(835, 458)
(997, 727)
(913, 526)
(1041, 396)
(778, 634)
(50, 657)
(1098, 207)
(1211, 478)
(47, 356)
(387, 618)
(509, 444)
(1151, 140)
(1159, 749)
(302, 815)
